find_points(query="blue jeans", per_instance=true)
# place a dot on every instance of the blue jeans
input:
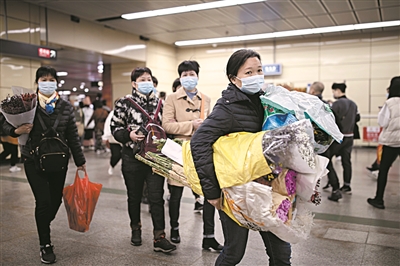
(279, 251)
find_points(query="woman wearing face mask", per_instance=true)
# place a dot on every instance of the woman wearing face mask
(125, 123)
(239, 109)
(48, 187)
(184, 112)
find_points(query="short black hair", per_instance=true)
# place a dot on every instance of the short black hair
(162, 94)
(177, 82)
(237, 59)
(339, 86)
(155, 80)
(137, 72)
(394, 88)
(45, 71)
(188, 65)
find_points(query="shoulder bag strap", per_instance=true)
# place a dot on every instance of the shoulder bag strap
(158, 109)
(57, 120)
(140, 108)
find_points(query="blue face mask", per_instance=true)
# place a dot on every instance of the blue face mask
(189, 83)
(145, 87)
(252, 85)
(47, 87)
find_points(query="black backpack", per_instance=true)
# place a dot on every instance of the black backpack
(153, 129)
(52, 153)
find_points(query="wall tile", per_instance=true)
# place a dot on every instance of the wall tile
(345, 72)
(385, 69)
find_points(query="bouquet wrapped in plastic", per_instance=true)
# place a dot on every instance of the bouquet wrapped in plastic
(19, 109)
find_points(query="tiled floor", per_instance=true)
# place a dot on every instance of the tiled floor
(346, 233)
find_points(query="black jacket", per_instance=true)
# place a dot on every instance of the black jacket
(66, 127)
(235, 111)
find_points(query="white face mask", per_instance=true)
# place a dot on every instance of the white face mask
(189, 83)
(47, 87)
(252, 85)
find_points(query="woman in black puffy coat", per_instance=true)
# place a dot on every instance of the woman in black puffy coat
(48, 187)
(239, 109)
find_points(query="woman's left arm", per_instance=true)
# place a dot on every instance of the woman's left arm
(72, 137)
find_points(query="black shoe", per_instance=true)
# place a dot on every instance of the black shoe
(163, 245)
(327, 186)
(376, 203)
(198, 207)
(336, 196)
(47, 255)
(346, 189)
(175, 238)
(374, 167)
(211, 243)
(136, 238)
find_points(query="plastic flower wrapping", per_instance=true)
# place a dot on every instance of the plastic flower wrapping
(19, 109)
(267, 178)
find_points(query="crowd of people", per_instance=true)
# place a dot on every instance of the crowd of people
(185, 114)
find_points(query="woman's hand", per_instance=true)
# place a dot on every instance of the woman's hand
(216, 203)
(135, 137)
(82, 167)
(23, 129)
(196, 123)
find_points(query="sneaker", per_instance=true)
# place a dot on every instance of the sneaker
(336, 196)
(163, 245)
(98, 152)
(136, 239)
(15, 169)
(175, 237)
(47, 255)
(376, 203)
(110, 170)
(338, 158)
(198, 207)
(346, 189)
(211, 243)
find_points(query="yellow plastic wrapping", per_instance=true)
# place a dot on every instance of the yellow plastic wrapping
(238, 159)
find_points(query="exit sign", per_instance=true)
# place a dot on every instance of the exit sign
(47, 53)
(272, 69)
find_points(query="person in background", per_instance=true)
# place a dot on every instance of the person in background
(162, 95)
(184, 112)
(105, 106)
(111, 143)
(176, 85)
(99, 117)
(239, 109)
(97, 103)
(48, 188)
(126, 121)
(389, 120)
(89, 123)
(346, 113)
(10, 147)
(316, 89)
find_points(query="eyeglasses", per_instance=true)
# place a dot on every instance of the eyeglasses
(192, 110)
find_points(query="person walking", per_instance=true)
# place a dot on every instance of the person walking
(389, 120)
(184, 112)
(10, 147)
(125, 124)
(239, 109)
(346, 116)
(48, 188)
(111, 143)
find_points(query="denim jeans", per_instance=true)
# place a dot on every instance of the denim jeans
(135, 173)
(48, 190)
(279, 251)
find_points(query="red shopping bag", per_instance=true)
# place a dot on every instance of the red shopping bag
(80, 199)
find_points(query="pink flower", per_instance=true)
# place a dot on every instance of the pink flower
(283, 210)
(290, 180)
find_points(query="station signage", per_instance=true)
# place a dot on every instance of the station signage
(47, 53)
(272, 69)
(27, 50)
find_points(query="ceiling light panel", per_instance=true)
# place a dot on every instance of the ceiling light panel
(189, 8)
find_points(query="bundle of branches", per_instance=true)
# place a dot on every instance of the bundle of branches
(18, 104)
(165, 167)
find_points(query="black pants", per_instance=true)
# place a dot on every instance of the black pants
(115, 154)
(389, 155)
(135, 173)
(279, 251)
(174, 207)
(47, 189)
(98, 145)
(9, 149)
(344, 150)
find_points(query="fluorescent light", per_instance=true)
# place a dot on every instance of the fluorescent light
(290, 33)
(125, 49)
(62, 73)
(184, 9)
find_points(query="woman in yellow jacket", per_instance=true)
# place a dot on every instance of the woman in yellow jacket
(184, 111)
